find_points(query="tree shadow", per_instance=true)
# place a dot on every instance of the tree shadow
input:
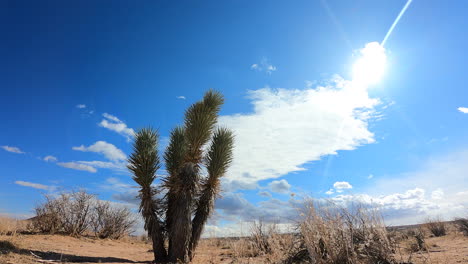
(7, 246)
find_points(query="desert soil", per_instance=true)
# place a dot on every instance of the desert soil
(26, 249)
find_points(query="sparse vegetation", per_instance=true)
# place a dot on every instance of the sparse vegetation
(436, 226)
(336, 235)
(418, 242)
(462, 224)
(76, 213)
(111, 222)
(179, 217)
(11, 227)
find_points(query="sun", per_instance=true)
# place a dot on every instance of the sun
(370, 66)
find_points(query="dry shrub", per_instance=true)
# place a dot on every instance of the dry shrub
(76, 213)
(436, 227)
(338, 235)
(418, 242)
(462, 224)
(111, 222)
(275, 246)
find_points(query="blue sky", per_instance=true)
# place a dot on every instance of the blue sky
(77, 78)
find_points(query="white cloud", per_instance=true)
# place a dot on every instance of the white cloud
(289, 128)
(50, 158)
(330, 192)
(12, 149)
(108, 150)
(35, 185)
(370, 176)
(463, 109)
(77, 166)
(181, 97)
(439, 187)
(281, 186)
(409, 207)
(111, 117)
(113, 123)
(117, 166)
(81, 106)
(340, 186)
(264, 65)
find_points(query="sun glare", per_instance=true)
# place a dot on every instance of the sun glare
(370, 66)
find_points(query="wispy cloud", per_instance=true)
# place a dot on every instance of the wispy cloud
(80, 106)
(77, 166)
(463, 109)
(50, 158)
(35, 185)
(117, 166)
(181, 97)
(263, 66)
(108, 150)
(307, 124)
(115, 124)
(12, 149)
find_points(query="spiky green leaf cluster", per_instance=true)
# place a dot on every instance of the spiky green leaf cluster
(144, 161)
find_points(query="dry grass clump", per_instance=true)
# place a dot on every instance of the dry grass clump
(417, 241)
(266, 244)
(11, 227)
(462, 225)
(276, 247)
(436, 227)
(348, 236)
(77, 213)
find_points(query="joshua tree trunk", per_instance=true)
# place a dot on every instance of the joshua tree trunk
(181, 223)
(201, 216)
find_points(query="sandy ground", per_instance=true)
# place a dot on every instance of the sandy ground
(28, 249)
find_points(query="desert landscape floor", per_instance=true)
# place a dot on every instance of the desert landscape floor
(28, 249)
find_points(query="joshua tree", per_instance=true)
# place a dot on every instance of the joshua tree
(181, 213)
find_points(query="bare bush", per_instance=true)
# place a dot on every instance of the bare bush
(419, 242)
(261, 236)
(76, 213)
(338, 235)
(436, 227)
(48, 217)
(111, 222)
(462, 224)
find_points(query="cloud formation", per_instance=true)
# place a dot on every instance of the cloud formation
(281, 186)
(181, 97)
(340, 186)
(77, 166)
(114, 124)
(12, 149)
(110, 151)
(289, 128)
(463, 109)
(50, 158)
(35, 185)
(81, 106)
